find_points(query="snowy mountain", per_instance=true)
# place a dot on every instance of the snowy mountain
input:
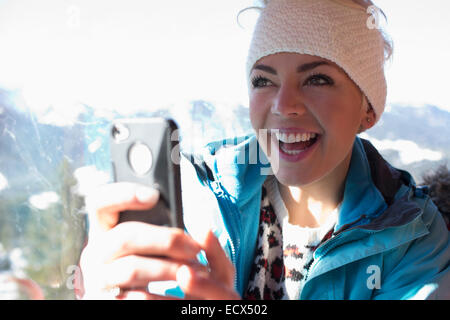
(32, 145)
(416, 139)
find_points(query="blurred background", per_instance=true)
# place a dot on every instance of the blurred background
(68, 67)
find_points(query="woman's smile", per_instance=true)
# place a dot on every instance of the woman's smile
(294, 144)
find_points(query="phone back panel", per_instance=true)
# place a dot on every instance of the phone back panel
(146, 151)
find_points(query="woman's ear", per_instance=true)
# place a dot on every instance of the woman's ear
(367, 120)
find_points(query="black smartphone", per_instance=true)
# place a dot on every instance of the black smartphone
(146, 151)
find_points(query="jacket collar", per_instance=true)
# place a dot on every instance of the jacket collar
(361, 196)
(372, 185)
(376, 195)
(240, 165)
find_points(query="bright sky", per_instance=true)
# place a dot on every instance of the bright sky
(421, 64)
(140, 54)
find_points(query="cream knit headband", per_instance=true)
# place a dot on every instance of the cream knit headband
(336, 30)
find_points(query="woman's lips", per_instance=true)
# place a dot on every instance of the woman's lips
(294, 138)
(298, 150)
(296, 146)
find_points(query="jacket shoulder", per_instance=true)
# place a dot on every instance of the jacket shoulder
(420, 269)
(430, 211)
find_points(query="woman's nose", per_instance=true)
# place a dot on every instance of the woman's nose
(288, 102)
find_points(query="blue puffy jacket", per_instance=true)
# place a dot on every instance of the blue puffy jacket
(390, 240)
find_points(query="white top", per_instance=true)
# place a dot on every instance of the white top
(283, 246)
(294, 236)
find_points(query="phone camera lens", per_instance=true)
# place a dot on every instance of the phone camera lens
(120, 132)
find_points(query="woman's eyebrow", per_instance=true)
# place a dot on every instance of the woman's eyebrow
(312, 65)
(302, 68)
(265, 68)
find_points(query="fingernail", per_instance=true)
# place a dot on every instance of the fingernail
(183, 276)
(145, 194)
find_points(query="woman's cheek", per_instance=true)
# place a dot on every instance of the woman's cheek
(256, 124)
(253, 117)
(257, 113)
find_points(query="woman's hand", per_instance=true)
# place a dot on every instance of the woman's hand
(121, 259)
(217, 282)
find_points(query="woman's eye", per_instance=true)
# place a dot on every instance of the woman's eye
(260, 82)
(319, 80)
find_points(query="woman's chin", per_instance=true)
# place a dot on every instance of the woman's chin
(294, 179)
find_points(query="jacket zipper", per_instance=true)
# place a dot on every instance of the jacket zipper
(223, 200)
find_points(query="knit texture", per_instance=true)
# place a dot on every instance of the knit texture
(332, 29)
(284, 252)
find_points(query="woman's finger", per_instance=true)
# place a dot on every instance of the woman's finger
(136, 271)
(142, 294)
(218, 283)
(137, 238)
(107, 201)
(220, 265)
(198, 285)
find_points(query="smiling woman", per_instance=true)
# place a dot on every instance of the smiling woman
(296, 205)
(313, 227)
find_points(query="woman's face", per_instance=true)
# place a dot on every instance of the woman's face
(312, 112)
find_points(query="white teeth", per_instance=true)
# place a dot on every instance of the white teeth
(292, 137)
(293, 152)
